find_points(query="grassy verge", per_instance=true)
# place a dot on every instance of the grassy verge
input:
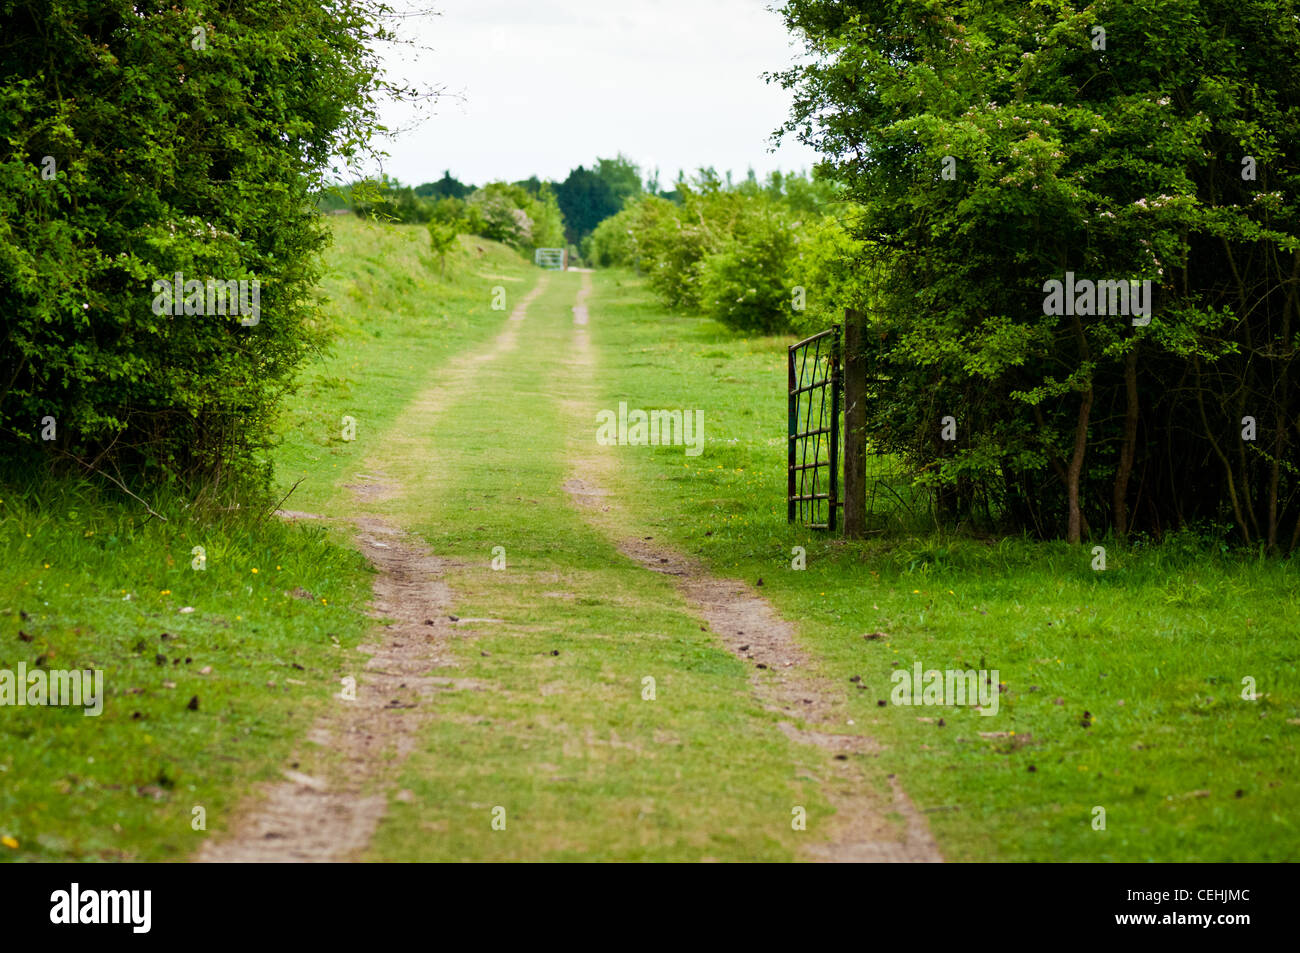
(1154, 649)
(255, 636)
(89, 583)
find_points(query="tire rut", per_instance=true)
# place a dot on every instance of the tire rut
(781, 676)
(332, 816)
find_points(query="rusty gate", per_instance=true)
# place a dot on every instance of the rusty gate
(812, 481)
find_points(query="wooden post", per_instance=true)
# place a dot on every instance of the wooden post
(792, 428)
(855, 425)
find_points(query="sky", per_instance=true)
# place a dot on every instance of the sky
(537, 88)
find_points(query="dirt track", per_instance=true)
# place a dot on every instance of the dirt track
(751, 629)
(359, 743)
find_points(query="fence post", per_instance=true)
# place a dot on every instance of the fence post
(792, 428)
(855, 425)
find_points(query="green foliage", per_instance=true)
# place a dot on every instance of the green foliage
(511, 215)
(447, 187)
(836, 270)
(673, 246)
(548, 220)
(174, 151)
(613, 243)
(504, 219)
(623, 177)
(387, 200)
(746, 283)
(586, 200)
(442, 239)
(1115, 162)
(728, 250)
(523, 214)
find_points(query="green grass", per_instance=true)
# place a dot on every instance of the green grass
(399, 325)
(92, 585)
(584, 766)
(1155, 647)
(553, 726)
(278, 608)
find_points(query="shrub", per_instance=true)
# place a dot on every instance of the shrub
(836, 271)
(179, 140)
(674, 241)
(509, 214)
(613, 243)
(746, 283)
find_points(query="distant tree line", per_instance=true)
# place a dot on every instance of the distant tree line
(526, 214)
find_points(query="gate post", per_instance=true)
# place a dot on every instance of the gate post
(792, 428)
(855, 425)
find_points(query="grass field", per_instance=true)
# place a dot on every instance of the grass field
(1155, 648)
(95, 584)
(548, 719)
(556, 729)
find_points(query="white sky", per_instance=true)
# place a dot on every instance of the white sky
(549, 86)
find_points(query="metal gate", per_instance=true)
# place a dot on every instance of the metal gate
(812, 481)
(555, 259)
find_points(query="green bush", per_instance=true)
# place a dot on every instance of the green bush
(674, 241)
(836, 271)
(728, 250)
(179, 140)
(613, 243)
(1001, 152)
(746, 283)
(509, 214)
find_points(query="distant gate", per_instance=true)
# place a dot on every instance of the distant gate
(812, 480)
(555, 259)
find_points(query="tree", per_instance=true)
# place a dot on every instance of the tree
(139, 142)
(745, 283)
(445, 188)
(502, 207)
(548, 220)
(586, 200)
(508, 213)
(623, 177)
(532, 185)
(442, 239)
(996, 149)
